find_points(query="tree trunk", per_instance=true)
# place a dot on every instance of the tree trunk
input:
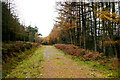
(83, 24)
(94, 17)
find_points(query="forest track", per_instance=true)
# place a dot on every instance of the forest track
(48, 62)
(58, 66)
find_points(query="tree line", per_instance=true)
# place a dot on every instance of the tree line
(89, 25)
(12, 29)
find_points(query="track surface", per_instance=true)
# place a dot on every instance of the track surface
(47, 62)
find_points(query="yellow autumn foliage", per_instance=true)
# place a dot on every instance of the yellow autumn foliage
(107, 15)
(108, 18)
(112, 42)
(48, 39)
(113, 14)
(101, 16)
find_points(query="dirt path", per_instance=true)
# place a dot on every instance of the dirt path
(56, 65)
(47, 62)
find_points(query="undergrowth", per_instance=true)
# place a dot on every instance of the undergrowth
(8, 49)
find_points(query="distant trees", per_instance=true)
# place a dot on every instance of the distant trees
(90, 25)
(12, 30)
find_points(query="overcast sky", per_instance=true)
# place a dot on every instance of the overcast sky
(37, 12)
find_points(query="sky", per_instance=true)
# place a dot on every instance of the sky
(40, 13)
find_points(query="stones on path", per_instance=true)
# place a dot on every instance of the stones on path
(41, 74)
